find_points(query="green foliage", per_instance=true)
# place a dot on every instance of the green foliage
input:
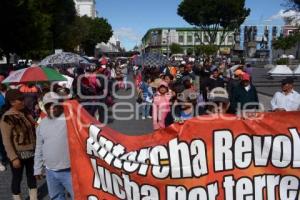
(282, 61)
(190, 51)
(93, 31)
(284, 43)
(214, 15)
(19, 27)
(34, 28)
(175, 48)
(206, 50)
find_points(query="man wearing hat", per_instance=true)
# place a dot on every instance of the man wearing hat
(52, 152)
(220, 99)
(244, 96)
(288, 99)
(234, 82)
(212, 82)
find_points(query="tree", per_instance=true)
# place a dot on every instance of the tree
(92, 31)
(284, 43)
(23, 27)
(206, 50)
(34, 27)
(175, 48)
(189, 51)
(62, 16)
(213, 16)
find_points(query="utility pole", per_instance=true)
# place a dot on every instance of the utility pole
(168, 43)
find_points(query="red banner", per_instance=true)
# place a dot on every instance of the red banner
(205, 158)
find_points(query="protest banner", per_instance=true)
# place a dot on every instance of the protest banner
(203, 159)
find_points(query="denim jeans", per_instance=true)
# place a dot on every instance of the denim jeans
(146, 109)
(58, 182)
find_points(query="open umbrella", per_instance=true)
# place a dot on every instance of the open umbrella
(64, 59)
(151, 59)
(34, 74)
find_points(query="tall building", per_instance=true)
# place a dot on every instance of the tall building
(159, 39)
(86, 7)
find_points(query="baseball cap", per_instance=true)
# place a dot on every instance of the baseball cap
(213, 69)
(51, 97)
(218, 95)
(13, 95)
(245, 77)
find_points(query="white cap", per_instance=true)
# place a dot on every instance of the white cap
(218, 94)
(51, 97)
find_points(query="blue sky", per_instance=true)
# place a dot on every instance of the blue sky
(131, 19)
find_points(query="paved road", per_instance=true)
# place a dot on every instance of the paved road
(267, 85)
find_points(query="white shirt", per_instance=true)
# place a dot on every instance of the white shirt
(52, 148)
(290, 102)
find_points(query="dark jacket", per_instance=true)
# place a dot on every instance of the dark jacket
(232, 84)
(214, 83)
(242, 97)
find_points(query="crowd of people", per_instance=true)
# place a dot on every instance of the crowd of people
(33, 125)
(34, 130)
(175, 93)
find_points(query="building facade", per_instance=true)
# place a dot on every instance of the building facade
(86, 7)
(159, 39)
(112, 47)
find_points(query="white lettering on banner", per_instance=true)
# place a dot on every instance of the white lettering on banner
(92, 198)
(182, 159)
(122, 187)
(260, 184)
(240, 152)
(244, 188)
(177, 160)
(262, 148)
(159, 153)
(199, 193)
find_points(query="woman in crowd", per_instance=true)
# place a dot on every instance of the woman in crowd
(18, 134)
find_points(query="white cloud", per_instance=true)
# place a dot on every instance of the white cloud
(283, 14)
(126, 33)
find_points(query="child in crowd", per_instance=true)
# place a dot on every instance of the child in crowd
(161, 106)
